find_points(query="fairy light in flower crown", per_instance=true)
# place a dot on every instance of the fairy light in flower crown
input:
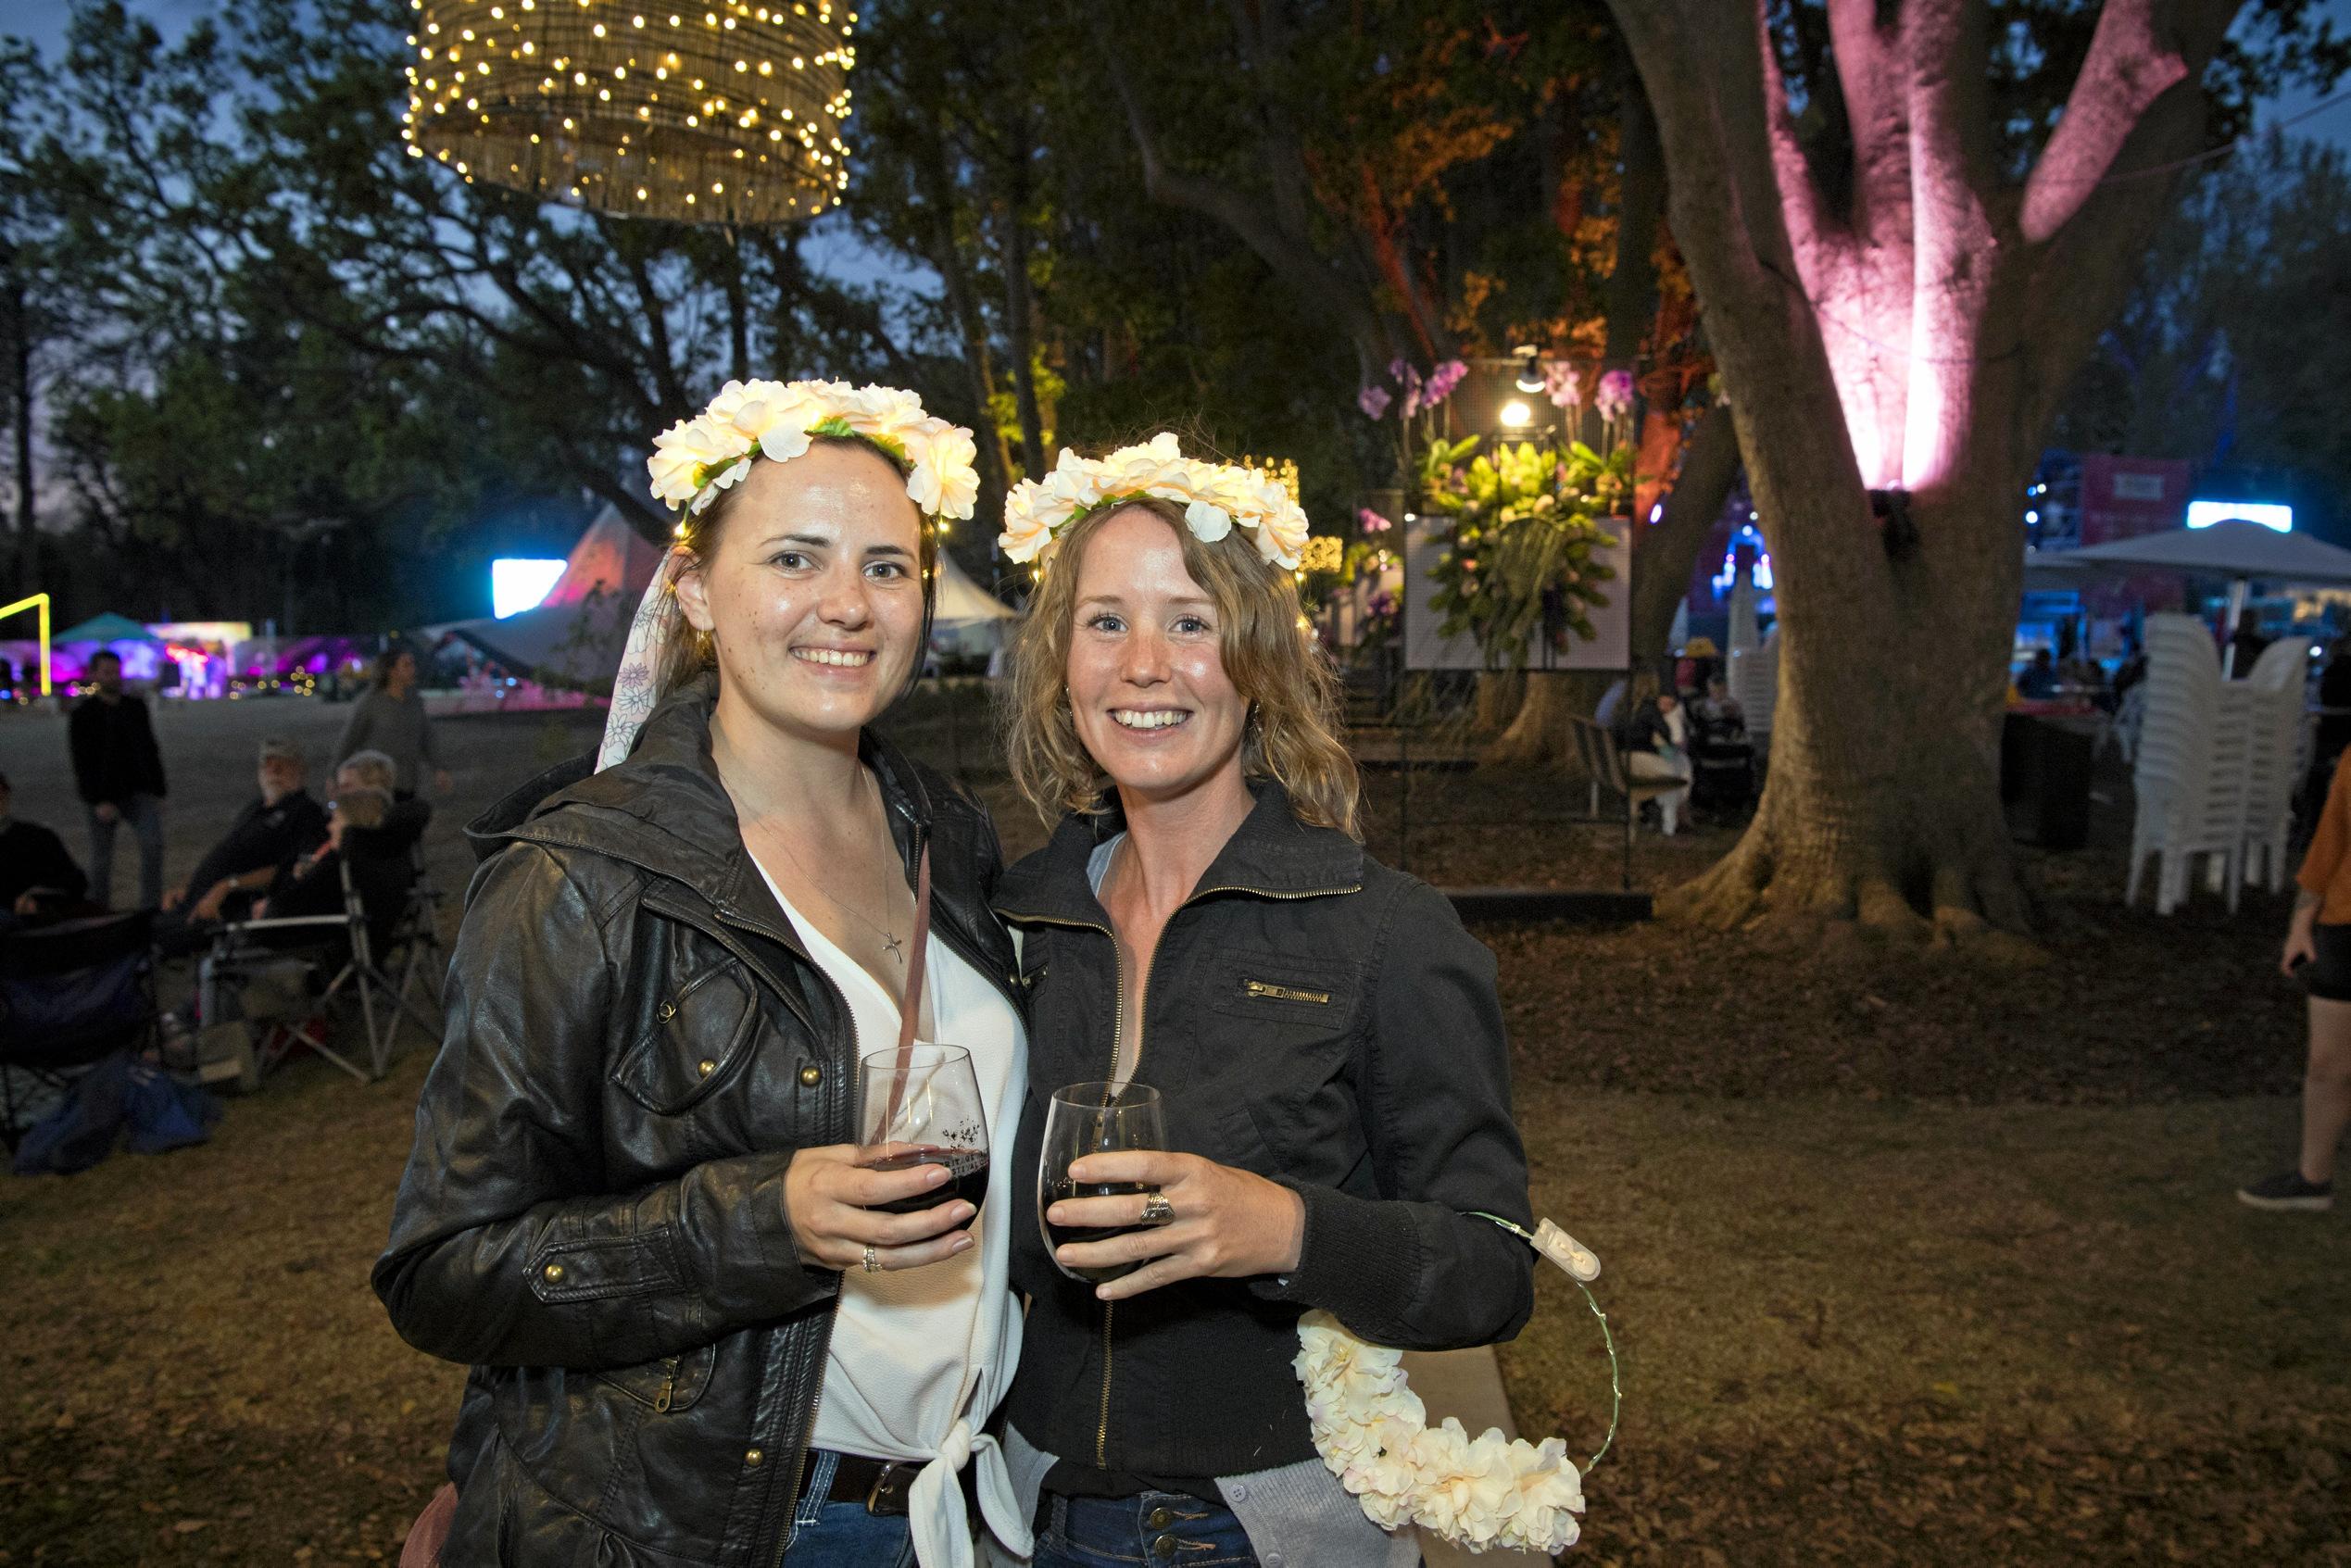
(696, 111)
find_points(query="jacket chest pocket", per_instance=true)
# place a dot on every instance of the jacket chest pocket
(674, 1382)
(700, 1034)
(1290, 998)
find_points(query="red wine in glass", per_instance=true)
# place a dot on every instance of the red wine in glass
(921, 1105)
(966, 1177)
(1086, 1119)
(1058, 1235)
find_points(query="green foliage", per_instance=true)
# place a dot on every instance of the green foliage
(1522, 525)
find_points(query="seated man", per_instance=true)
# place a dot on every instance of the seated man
(38, 878)
(309, 886)
(280, 823)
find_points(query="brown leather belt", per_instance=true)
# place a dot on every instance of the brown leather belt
(882, 1484)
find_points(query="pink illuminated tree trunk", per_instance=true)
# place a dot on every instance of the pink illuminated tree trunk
(1909, 333)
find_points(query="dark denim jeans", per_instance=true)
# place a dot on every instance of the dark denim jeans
(143, 815)
(1152, 1528)
(842, 1534)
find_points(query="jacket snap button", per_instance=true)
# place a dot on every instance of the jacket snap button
(755, 1458)
(1162, 1546)
(1160, 1519)
(669, 1010)
(554, 1274)
(812, 1075)
(705, 1067)
(1241, 1492)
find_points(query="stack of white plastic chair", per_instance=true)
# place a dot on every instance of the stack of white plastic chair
(1753, 680)
(2189, 773)
(2273, 695)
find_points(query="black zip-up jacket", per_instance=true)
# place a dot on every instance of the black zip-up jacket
(1322, 1021)
(114, 752)
(593, 1215)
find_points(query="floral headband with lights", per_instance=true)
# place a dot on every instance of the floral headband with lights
(1216, 498)
(694, 460)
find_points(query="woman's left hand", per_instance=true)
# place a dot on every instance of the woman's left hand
(1222, 1223)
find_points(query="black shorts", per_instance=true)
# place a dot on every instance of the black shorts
(2328, 976)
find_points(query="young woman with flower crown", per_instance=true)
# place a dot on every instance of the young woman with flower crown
(634, 1207)
(1324, 1035)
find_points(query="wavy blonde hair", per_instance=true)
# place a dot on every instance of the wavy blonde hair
(1279, 671)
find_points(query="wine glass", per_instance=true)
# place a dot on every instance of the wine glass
(921, 1105)
(1094, 1119)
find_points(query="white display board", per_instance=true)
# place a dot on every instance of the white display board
(1609, 648)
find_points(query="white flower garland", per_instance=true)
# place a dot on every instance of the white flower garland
(1215, 497)
(695, 458)
(1373, 1431)
(1480, 1493)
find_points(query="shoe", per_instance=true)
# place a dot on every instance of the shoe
(2287, 1190)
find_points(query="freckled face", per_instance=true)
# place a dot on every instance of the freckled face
(1146, 681)
(813, 596)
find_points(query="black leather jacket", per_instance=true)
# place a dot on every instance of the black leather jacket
(593, 1215)
(1323, 1021)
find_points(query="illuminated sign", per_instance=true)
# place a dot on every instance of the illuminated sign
(2268, 514)
(517, 584)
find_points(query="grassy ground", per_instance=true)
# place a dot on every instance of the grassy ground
(1912, 1260)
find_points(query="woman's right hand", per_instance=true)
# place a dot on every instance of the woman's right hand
(2300, 946)
(829, 1197)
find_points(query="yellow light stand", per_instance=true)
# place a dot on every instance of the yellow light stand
(36, 602)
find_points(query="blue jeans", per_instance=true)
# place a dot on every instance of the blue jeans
(842, 1534)
(1150, 1528)
(145, 814)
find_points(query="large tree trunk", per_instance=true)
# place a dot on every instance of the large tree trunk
(1904, 330)
(1882, 799)
(19, 321)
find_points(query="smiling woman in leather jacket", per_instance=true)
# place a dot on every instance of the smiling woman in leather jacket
(1324, 1035)
(633, 1206)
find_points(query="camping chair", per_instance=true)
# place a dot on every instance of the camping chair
(377, 873)
(1605, 766)
(70, 994)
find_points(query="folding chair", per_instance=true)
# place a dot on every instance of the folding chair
(70, 994)
(376, 874)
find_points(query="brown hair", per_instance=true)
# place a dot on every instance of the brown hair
(687, 652)
(1278, 669)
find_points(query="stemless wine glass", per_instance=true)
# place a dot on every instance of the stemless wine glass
(921, 1107)
(1094, 1119)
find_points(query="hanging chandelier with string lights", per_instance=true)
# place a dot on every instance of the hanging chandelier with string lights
(722, 112)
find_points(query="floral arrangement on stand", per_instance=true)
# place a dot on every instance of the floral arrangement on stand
(1526, 542)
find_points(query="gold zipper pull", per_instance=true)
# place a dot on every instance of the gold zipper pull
(1284, 993)
(668, 1385)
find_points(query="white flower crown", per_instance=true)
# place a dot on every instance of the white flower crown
(1216, 497)
(694, 460)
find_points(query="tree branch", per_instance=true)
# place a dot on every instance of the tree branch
(1292, 259)
(2129, 67)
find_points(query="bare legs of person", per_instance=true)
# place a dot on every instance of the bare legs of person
(2326, 1114)
(2326, 1089)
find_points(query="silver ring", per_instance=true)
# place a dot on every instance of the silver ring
(1157, 1211)
(872, 1264)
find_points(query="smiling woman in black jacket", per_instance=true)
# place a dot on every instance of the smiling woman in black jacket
(636, 1206)
(1323, 1034)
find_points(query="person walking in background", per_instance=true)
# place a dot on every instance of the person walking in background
(390, 719)
(2317, 952)
(38, 878)
(119, 770)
